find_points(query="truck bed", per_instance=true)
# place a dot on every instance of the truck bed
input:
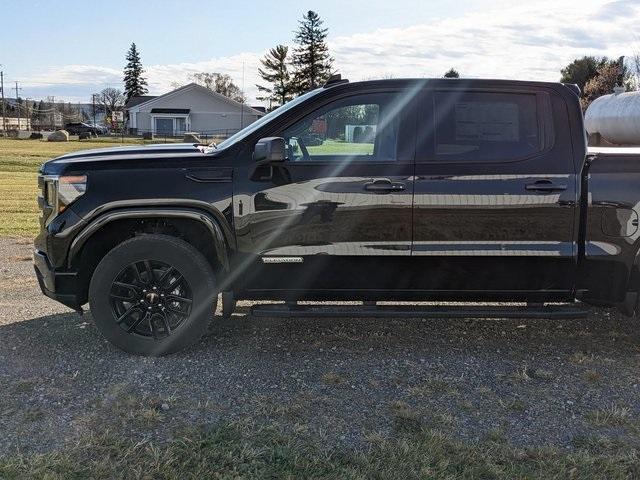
(610, 237)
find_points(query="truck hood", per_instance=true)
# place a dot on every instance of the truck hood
(133, 155)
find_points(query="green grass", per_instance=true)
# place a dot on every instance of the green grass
(336, 147)
(242, 451)
(18, 204)
(19, 164)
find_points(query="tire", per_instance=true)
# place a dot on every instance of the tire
(153, 295)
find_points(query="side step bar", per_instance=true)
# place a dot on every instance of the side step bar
(554, 311)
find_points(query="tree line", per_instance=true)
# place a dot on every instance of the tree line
(597, 76)
(307, 67)
(287, 72)
(288, 75)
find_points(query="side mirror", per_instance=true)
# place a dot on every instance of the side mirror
(269, 150)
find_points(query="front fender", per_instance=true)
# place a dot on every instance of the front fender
(96, 224)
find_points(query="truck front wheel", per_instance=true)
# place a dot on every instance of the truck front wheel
(153, 295)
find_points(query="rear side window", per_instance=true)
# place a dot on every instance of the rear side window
(486, 126)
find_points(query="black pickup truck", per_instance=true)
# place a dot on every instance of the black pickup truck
(394, 190)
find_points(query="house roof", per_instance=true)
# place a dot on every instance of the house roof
(192, 86)
(137, 100)
(182, 111)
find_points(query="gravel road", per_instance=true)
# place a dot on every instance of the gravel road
(533, 382)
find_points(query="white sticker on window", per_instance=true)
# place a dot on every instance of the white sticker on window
(487, 121)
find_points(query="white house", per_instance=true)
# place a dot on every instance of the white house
(191, 108)
(14, 123)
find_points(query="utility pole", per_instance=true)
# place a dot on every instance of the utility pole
(17, 89)
(53, 113)
(4, 114)
(93, 106)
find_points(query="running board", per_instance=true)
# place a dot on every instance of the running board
(555, 311)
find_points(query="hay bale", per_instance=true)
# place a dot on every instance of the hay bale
(35, 136)
(191, 137)
(58, 136)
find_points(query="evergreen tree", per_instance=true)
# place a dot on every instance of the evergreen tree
(311, 59)
(134, 83)
(275, 71)
(452, 73)
(41, 112)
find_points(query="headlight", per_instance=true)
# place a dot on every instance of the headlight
(58, 193)
(69, 189)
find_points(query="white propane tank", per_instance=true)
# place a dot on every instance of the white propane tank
(616, 117)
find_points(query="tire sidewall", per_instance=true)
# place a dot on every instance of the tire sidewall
(174, 252)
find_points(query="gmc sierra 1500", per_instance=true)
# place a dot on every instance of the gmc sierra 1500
(424, 190)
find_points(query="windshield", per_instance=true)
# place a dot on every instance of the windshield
(267, 118)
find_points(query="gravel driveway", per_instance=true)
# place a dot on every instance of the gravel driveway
(532, 382)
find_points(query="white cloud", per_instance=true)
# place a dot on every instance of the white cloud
(528, 41)
(75, 75)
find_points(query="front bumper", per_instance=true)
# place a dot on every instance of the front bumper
(60, 286)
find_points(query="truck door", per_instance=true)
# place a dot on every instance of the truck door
(339, 209)
(495, 193)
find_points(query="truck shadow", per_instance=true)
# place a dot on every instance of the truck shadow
(604, 332)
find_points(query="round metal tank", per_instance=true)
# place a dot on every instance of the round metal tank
(615, 117)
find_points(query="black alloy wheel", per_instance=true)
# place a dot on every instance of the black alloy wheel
(150, 298)
(153, 294)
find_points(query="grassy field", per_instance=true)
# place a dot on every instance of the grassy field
(19, 164)
(335, 147)
(245, 451)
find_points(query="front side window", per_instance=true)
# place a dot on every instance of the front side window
(361, 128)
(485, 126)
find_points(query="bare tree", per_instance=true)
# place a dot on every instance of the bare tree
(220, 83)
(602, 84)
(111, 100)
(635, 70)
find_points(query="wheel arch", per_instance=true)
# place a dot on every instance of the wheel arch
(197, 227)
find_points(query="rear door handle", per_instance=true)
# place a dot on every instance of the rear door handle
(545, 186)
(384, 186)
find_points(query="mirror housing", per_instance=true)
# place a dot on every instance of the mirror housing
(269, 150)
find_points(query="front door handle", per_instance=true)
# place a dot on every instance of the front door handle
(384, 186)
(545, 186)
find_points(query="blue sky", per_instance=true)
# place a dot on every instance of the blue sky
(72, 48)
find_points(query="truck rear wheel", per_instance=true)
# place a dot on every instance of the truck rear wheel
(153, 295)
